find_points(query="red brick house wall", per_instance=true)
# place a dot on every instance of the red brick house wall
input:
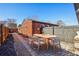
(26, 28)
(30, 27)
(37, 27)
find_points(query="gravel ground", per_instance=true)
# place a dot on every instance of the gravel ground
(50, 52)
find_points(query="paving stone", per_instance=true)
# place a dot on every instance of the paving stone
(50, 52)
(16, 45)
(7, 49)
(21, 50)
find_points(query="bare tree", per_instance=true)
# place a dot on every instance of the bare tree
(11, 20)
(60, 23)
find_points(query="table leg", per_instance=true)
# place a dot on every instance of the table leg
(46, 39)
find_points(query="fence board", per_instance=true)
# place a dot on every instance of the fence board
(3, 33)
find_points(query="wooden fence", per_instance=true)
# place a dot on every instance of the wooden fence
(3, 33)
(65, 33)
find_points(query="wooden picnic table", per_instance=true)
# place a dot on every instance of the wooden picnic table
(46, 37)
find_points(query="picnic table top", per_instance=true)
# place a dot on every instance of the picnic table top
(45, 35)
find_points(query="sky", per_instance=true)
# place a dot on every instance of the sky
(48, 12)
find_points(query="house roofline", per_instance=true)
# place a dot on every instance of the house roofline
(41, 22)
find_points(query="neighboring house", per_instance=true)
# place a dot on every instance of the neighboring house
(12, 27)
(30, 27)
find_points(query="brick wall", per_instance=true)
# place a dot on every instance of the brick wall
(29, 27)
(37, 27)
(26, 28)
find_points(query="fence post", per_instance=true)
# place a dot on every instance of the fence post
(1, 34)
(53, 30)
